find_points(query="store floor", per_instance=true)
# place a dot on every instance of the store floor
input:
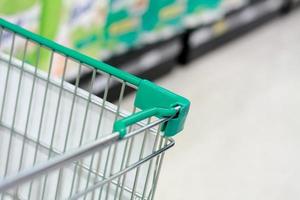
(242, 137)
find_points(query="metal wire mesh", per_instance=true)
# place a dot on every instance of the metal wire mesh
(43, 117)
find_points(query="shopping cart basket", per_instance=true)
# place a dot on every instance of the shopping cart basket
(58, 141)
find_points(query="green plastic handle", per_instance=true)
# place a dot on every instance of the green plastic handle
(122, 124)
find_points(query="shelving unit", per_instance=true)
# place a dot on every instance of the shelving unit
(156, 59)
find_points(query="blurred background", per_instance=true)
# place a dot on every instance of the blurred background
(241, 140)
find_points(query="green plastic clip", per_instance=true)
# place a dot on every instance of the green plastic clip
(156, 101)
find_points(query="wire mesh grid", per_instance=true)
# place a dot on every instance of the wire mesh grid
(43, 117)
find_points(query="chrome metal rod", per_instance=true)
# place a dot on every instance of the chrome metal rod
(129, 168)
(58, 162)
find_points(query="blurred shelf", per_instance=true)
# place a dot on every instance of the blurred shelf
(156, 59)
(202, 39)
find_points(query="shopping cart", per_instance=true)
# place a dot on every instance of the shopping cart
(58, 141)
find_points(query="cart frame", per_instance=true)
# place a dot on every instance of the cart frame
(169, 109)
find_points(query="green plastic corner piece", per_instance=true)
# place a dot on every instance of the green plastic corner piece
(150, 95)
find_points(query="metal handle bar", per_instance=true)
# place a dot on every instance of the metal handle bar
(67, 158)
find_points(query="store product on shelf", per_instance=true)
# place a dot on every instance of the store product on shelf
(20, 12)
(81, 27)
(99, 28)
(201, 11)
(196, 6)
(84, 27)
(162, 19)
(36, 16)
(123, 23)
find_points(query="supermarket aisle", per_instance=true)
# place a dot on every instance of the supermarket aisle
(242, 138)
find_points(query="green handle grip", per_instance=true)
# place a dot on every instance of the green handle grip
(121, 125)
